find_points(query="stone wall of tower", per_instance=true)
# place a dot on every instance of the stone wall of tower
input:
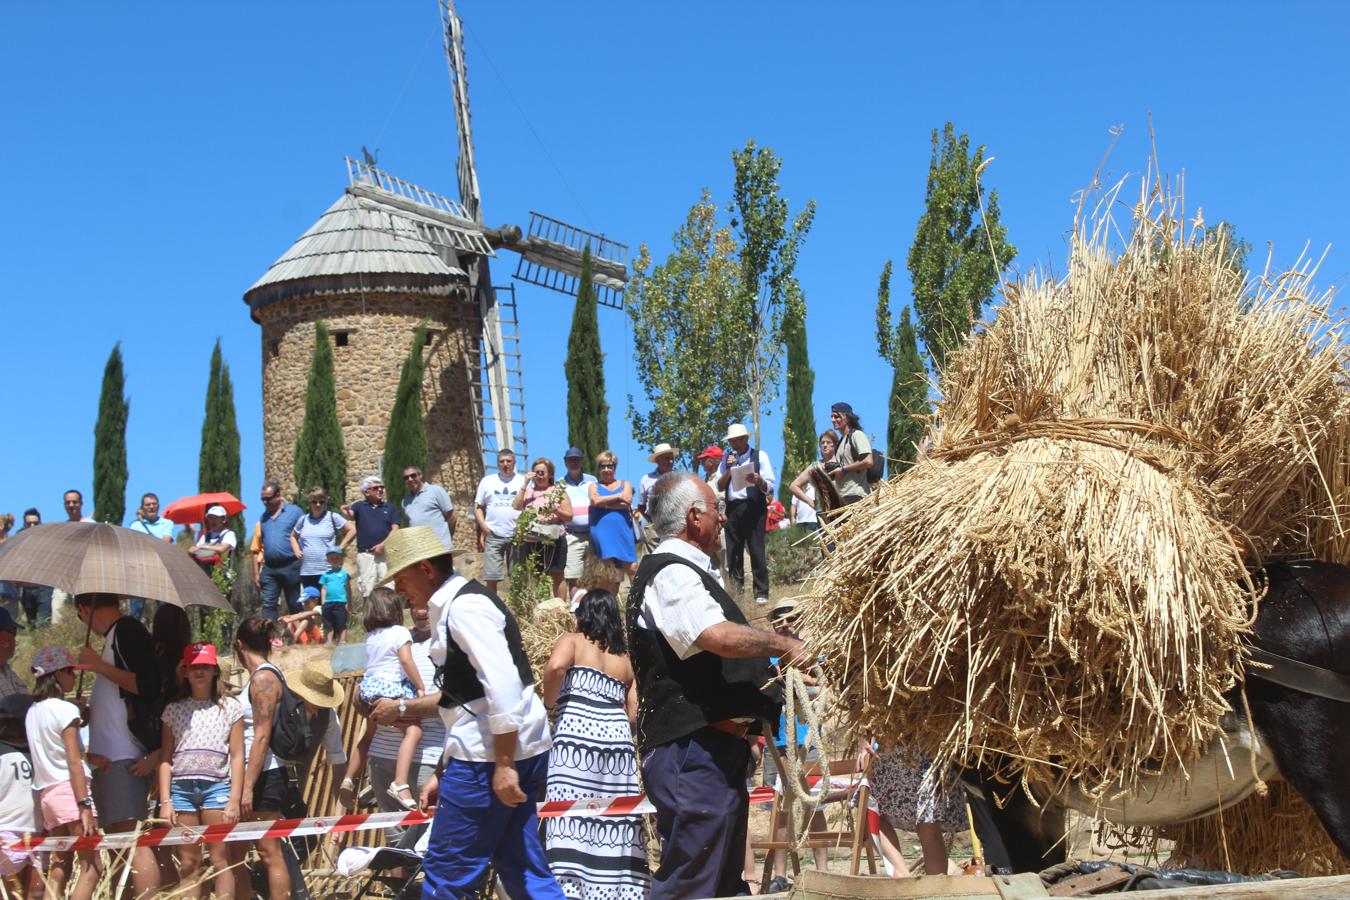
(379, 329)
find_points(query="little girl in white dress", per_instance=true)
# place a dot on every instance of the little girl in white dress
(391, 672)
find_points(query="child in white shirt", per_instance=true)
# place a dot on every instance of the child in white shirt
(391, 672)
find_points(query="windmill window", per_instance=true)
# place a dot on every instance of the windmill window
(342, 337)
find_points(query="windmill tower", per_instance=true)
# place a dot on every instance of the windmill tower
(387, 256)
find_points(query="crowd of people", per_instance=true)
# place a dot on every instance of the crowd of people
(679, 691)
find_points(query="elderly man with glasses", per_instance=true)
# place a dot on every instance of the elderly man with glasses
(429, 505)
(375, 520)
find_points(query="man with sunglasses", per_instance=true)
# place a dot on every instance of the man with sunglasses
(429, 505)
(375, 521)
(280, 569)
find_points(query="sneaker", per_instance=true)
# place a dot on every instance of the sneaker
(761, 601)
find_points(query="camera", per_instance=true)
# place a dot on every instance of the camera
(831, 466)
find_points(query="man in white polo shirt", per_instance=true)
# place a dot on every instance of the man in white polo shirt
(578, 531)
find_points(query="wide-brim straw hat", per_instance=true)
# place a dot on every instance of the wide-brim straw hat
(316, 684)
(661, 450)
(737, 431)
(407, 546)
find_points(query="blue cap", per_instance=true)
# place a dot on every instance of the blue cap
(334, 548)
(7, 620)
(573, 453)
(311, 593)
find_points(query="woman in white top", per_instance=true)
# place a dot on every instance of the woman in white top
(809, 502)
(60, 773)
(215, 543)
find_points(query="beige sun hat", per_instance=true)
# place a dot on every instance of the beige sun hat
(661, 450)
(407, 546)
(737, 430)
(316, 684)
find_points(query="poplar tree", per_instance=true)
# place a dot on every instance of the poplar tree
(957, 255)
(320, 457)
(405, 443)
(799, 422)
(110, 443)
(899, 347)
(587, 411)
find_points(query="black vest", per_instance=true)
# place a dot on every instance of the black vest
(677, 696)
(457, 679)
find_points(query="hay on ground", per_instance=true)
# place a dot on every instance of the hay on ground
(540, 634)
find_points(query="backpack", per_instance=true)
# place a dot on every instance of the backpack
(878, 468)
(292, 739)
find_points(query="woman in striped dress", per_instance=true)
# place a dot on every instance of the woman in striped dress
(589, 685)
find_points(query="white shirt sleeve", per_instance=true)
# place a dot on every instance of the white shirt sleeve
(766, 472)
(679, 606)
(477, 626)
(332, 741)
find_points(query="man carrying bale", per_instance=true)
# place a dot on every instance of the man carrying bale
(701, 672)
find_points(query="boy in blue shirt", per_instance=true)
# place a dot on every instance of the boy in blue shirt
(333, 595)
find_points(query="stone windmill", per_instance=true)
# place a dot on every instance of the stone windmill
(388, 256)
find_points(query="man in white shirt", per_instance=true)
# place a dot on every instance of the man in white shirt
(496, 517)
(578, 531)
(700, 672)
(664, 457)
(497, 740)
(747, 478)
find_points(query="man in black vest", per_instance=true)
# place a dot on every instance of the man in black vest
(700, 672)
(497, 740)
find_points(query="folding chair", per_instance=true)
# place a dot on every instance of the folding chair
(780, 814)
(382, 868)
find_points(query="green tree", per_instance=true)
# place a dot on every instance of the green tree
(320, 457)
(587, 411)
(1235, 249)
(899, 346)
(687, 340)
(218, 470)
(799, 422)
(767, 296)
(405, 443)
(957, 255)
(110, 443)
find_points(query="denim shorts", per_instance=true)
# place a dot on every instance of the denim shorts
(195, 794)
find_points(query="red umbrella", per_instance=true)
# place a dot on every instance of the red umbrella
(189, 510)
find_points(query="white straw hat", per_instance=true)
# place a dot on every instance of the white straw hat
(661, 450)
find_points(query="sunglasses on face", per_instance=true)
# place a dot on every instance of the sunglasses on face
(318, 503)
(607, 465)
(412, 477)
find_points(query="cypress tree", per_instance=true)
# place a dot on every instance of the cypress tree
(218, 462)
(909, 389)
(110, 443)
(951, 265)
(799, 422)
(320, 457)
(587, 411)
(405, 443)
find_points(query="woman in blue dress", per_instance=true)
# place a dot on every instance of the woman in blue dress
(612, 543)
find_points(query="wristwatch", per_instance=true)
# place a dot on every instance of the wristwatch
(86, 802)
(402, 705)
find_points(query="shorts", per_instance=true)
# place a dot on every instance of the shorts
(376, 687)
(552, 555)
(369, 569)
(196, 794)
(578, 547)
(498, 557)
(335, 617)
(121, 796)
(58, 806)
(12, 862)
(269, 791)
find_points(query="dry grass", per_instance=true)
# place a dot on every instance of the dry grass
(1060, 589)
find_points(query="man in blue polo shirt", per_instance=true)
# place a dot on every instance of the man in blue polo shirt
(375, 520)
(280, 569)
(149, 521)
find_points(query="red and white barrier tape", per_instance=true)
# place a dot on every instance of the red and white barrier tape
(318, 825)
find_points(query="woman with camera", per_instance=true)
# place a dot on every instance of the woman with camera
(813, 486)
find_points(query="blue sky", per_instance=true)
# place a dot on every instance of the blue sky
(160, 156)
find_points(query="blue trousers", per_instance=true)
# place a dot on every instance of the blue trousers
(472, 828)
(697, 784)
(275, 581)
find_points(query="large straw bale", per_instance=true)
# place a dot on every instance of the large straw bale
(1060, 589)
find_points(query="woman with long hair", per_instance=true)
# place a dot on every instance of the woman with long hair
(265, 779)
(589, 684)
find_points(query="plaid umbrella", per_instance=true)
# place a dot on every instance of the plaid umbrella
(87, 558)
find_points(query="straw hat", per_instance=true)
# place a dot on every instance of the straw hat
(783, 608)
(407, 546)
(737, 430)
(316, 684)
(661, 450)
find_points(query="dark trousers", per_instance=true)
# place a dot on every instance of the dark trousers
(275, 582)
(697, 784)
(745, 530)
(472, 829)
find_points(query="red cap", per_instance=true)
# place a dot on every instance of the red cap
(200, 655)
(713, 452)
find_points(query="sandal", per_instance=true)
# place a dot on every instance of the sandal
(396, 791)
(347, 795)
